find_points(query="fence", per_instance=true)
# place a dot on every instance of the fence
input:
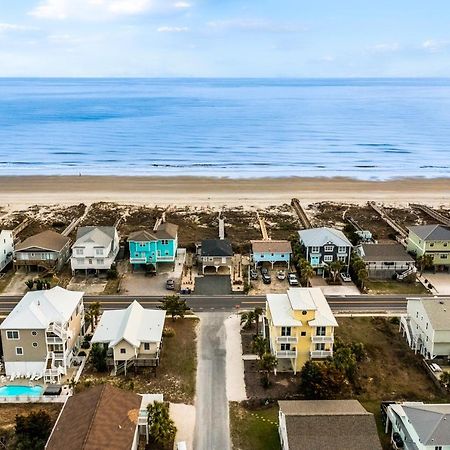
(34, 399)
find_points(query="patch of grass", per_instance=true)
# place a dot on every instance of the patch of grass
(8, 412)
(175, 377)
(5, 279)
(254, 430)
(395, 287)
(112, 287)
(374, 407)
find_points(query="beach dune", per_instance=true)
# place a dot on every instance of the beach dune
(23, 191)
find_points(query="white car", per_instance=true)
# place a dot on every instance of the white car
(346, 277)
(292, 279)
(281, 275)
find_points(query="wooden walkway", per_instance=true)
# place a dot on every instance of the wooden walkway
(76, 222)
(399, 229)
(306, 223)
(432, 213)
(262, 225)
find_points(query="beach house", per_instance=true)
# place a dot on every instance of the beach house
(272, 252)
(386, 260)
(215, 254)
(433, 240)
(6, 248)
(95, 249)
(326, 424)
(426, 326)
(324, 245)
(43, 251)
(418, 426)
(102, 417)
(132, 336)
(155, 246)
(299, 326)
(42, 334)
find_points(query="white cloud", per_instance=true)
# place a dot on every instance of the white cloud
(386, 47)
(255, 25)
(166, 29)
(182, 5)
(435, 46)
(97, 9)
(7, 27)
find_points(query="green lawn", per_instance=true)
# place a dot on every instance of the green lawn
(254, 430)
(395, 287)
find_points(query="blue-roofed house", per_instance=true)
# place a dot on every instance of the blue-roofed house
(153, 247)
(324, 245)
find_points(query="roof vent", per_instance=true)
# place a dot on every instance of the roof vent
(441, 302)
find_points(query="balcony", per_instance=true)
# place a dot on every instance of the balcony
(286, 339)
(321, 353)
(323, 339)
(54, 340)
(134, 260)
(286, 354)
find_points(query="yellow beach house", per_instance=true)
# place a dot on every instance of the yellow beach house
(299, 326)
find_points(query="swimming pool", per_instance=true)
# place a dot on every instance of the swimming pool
(14, 391)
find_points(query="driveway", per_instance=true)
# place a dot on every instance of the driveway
(346, 288)
(212, 420)
(440, 281)
(213, 285)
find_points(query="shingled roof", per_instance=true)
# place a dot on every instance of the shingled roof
(165, 231)
(100, 417)
(329, 425)
(271, 246)
(431, 232)
(47, 240)
(216, 247)
(385, 252)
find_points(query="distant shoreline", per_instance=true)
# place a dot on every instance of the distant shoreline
(23, 191)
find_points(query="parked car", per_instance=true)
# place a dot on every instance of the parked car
(253, 274)
(281, 275)
(170, 285)
(292, 279)
(266, 278)
(264, 270)
(397, 440)
(346, 277)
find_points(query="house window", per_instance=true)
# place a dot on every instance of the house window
(328, 258)
(34, 344)
(303, 333)
(166, 253)
(438, 447)
(12, 335)
(285, 331)
(99, 251)
(90, 260)
(34, 333)
(321, 331)
(164, 242)
(304, 313)
(431, 244)
(342, 250)
(320, 346)
(123, 351)
(315, 249)
(328, 248)
(285, 347)
(443, 255)
(79, 251)
(19, 351)
(426, 326)
(100, 261)
(146, 345)
(342, 258)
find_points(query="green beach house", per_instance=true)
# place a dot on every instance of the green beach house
(433, 240)
(153, 247)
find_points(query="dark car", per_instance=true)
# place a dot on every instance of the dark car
(264, 270)
(170, 285)
(266, 278)
(398, 440)
(253, 274)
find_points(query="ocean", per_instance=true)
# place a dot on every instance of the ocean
(361, 128)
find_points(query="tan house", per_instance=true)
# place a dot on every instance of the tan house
(133, 336)
(42, 334)
(46, 250)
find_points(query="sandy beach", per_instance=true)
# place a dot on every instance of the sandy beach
(19, 192)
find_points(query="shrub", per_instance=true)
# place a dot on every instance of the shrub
(112, 274)
(81, 353)
(85, 344)
(168, 332)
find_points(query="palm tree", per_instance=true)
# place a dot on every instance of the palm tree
(424, 261)
(306, 273)
(260, 346)
(161, 427)
(335, 268)
(258, 313)
(445, 380)
(94, 311)
(362, 277)
(267, 364)
(247, 318)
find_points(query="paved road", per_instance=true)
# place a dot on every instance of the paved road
(199, 303)
(212, 419)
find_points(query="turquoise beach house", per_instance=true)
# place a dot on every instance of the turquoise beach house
(153, 247)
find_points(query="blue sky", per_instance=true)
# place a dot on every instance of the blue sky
(226, 38)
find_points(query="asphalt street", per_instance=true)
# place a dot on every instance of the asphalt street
(212, 421)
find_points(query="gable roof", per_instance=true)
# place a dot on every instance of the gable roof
(385, 252)
(165, 230)
(47, 240)
(134, 324)
(99, 417)
(216, 247)
(431, 422)
(431, 232)
(329, 425)
(101, 236)
(38, 309)
(269, 246)
(317, 237)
